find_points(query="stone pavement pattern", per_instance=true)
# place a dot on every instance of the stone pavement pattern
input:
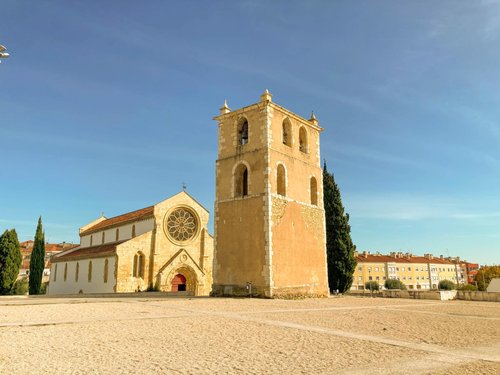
(346, 335)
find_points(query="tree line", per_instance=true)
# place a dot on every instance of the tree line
(11, 260)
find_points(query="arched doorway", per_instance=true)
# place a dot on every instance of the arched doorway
(179, 283)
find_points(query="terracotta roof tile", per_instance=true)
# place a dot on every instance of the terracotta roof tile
(372, 258)
(88, 252)
(121, 219)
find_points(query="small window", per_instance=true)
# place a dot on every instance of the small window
(243, 132)
(313, 186)
(103, 237)
(117, 235)
(303, 146)
(55, 272)
(359, 268)
(376, 269)
(77, 271)
(89, 276)
(133, 231)
(91, 239)
(65, 271)
(370, 278)
(106, 265)
(409, 268)
(287, 133)
(281, 180)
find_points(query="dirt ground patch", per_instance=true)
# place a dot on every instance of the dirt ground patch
(345, 335)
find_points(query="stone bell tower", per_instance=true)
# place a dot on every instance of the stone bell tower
(269, 217)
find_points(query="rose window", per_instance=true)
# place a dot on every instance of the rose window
(181, 225)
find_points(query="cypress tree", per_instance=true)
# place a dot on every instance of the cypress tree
(339, 247)
(10, 260)
(37, 262)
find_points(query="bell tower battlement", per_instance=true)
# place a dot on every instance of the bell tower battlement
(269, 218)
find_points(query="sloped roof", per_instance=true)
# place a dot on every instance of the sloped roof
(374, 258)
(88, 252)
(121, 219)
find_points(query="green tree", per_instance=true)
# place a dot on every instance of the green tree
(446, 285)
(339, 246)
(372, 286)
(37, 262)
(10, 260)
(484, 276)
(394, 284)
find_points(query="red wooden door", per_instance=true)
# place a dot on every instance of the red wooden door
(179, 283)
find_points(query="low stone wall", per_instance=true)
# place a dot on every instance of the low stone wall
(478, 296)
(441, 295)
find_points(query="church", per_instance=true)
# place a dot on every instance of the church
(269, 222)
(163, 247)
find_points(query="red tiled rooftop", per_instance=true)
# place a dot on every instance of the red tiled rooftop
(374, 258)
(121, 219)
(86, 252)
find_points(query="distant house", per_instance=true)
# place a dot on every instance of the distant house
(494, 285)
(51, 249)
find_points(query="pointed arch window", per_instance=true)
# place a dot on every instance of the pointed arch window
(139, 265)
(243, 131)
(241, 181)
(313, 186)
(89, 276)
(106, 266)
(303, 142)
(287, 133)
(281, 180)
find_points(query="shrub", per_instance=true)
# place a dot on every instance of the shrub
(372, 285)
(21, 287)
(446, 285)
(469, 288)
(394, 284)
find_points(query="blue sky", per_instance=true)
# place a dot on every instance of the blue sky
(108, 106)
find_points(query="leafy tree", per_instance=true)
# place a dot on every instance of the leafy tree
(37, 262)
(394, 284)
(10, 260)
(446, 285)
(372, 286)
(484, 276)
(339, 246)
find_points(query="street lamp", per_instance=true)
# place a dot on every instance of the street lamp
(3, 54)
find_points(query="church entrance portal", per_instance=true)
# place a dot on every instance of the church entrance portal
(179, 283)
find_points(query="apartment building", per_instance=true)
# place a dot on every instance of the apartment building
(416, 272)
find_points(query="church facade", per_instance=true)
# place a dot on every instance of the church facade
(165, 247)
(269, 216)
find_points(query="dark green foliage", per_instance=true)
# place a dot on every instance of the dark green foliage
(21, 287)
(469, 288)
(10, 260)
(339, 246)
(394, 284)
(37, 262)
(446, 285)
(372, 286)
